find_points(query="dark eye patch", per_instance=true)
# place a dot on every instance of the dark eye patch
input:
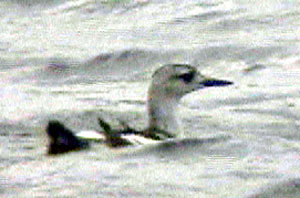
(187, 77)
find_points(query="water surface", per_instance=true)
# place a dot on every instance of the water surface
(77, 60)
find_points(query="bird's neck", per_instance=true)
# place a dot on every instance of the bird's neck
(162, 112)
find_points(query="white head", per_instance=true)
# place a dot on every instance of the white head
(169, 84)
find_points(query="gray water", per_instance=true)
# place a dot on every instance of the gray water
(77, 60)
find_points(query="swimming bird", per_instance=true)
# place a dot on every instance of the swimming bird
(169, 84)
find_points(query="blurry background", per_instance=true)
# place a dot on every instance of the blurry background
(79, 59)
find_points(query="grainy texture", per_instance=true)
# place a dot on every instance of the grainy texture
(76, 60)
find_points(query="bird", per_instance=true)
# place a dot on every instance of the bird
(170, 83)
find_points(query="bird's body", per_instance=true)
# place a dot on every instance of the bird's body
(169, 84)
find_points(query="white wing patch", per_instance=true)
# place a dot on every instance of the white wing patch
(135, 140)
(90, 135)
(139, 140)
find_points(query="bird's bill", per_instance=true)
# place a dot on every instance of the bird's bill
(211, 82)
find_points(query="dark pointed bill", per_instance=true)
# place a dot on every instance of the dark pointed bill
(210, 82)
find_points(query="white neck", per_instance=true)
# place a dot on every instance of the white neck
(162, 111)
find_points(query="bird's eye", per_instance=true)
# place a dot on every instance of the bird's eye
(187, 77)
